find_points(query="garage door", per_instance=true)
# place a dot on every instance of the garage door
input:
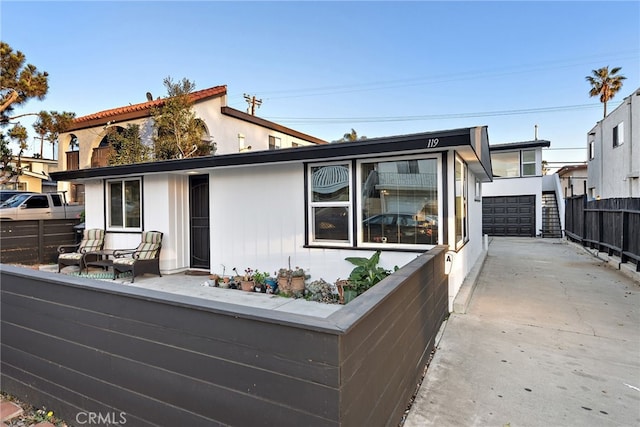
(509, 216)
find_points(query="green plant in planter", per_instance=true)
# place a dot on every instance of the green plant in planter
(366, 272)
(259, 276)
(320, 291)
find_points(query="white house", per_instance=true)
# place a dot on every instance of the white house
(85, 145)
(31, 175)
(573, 180)
(314, 205)
(614, 152)
(512, 205)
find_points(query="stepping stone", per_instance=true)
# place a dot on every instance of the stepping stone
(9, 410)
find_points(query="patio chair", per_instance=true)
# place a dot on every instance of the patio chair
(92, 240)
(144, 259)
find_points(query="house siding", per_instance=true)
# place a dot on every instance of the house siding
(615, 171)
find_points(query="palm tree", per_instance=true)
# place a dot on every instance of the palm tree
(605, 83)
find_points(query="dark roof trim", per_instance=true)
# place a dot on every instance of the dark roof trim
(520, 145)
(567, 169)
(423, 142)
(240, 115)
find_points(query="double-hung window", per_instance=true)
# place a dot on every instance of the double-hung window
(124, 207)
(274, 143)
(528, 163)
(330, 199)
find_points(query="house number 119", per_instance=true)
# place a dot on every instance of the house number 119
(432, 142)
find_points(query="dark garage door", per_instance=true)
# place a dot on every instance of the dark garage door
(509, 216)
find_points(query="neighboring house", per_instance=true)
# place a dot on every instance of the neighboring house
(573, 180)
(614, 152)
(313, 205)
(512, 205)
(33, 175)
(85, 145)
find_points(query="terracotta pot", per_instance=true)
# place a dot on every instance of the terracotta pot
(247, 285)
(283, 284)
(297, 284)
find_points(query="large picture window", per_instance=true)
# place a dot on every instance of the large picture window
(514, 164)
(399, 202)
(394, 202)
(124, 205)
(506, 164)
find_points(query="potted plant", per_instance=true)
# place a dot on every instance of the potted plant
(271, 284)
(291, 280)
(364, 275)
(246, 282)
(259, 279)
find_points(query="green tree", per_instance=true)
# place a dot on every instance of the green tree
(18, 134)
(50, 125)
(350, 137)
(19, 82)
(178, 131)
(6, 156)
(605, 83)
(128, 147)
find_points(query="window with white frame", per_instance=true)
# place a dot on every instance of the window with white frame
(330, 203)
(395, 202)
(618, 135)
(528, 163)
(592, 150)
(461, 192)
(124, 207)
(274, 143)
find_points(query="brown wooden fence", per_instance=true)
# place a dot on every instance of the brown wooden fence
(151, 358)
(30, 242)
(609, 225)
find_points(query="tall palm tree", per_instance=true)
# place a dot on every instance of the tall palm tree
(605, 83)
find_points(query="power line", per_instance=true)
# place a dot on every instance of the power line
(311, 120)
(449, 77)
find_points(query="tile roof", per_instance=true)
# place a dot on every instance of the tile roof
(140, 110)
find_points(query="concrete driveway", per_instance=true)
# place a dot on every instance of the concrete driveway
(551, 337)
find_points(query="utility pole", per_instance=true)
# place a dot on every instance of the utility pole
(253, 103)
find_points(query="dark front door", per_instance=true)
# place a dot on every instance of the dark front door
(199, 221)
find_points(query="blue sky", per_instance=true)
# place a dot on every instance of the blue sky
(381, 68)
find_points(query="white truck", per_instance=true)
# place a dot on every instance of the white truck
(39, 206)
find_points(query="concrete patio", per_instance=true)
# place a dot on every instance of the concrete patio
(199, 286)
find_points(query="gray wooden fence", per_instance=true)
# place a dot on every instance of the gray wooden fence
(608, 225)
(35, 241)
(151, 358)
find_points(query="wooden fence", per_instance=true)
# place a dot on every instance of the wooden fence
(609, 225)
(151, 358)
(35, 241)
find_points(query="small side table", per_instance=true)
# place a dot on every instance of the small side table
(98, 259)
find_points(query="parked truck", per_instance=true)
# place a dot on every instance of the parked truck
(39, 206)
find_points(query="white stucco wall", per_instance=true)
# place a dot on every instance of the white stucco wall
(615, 171)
